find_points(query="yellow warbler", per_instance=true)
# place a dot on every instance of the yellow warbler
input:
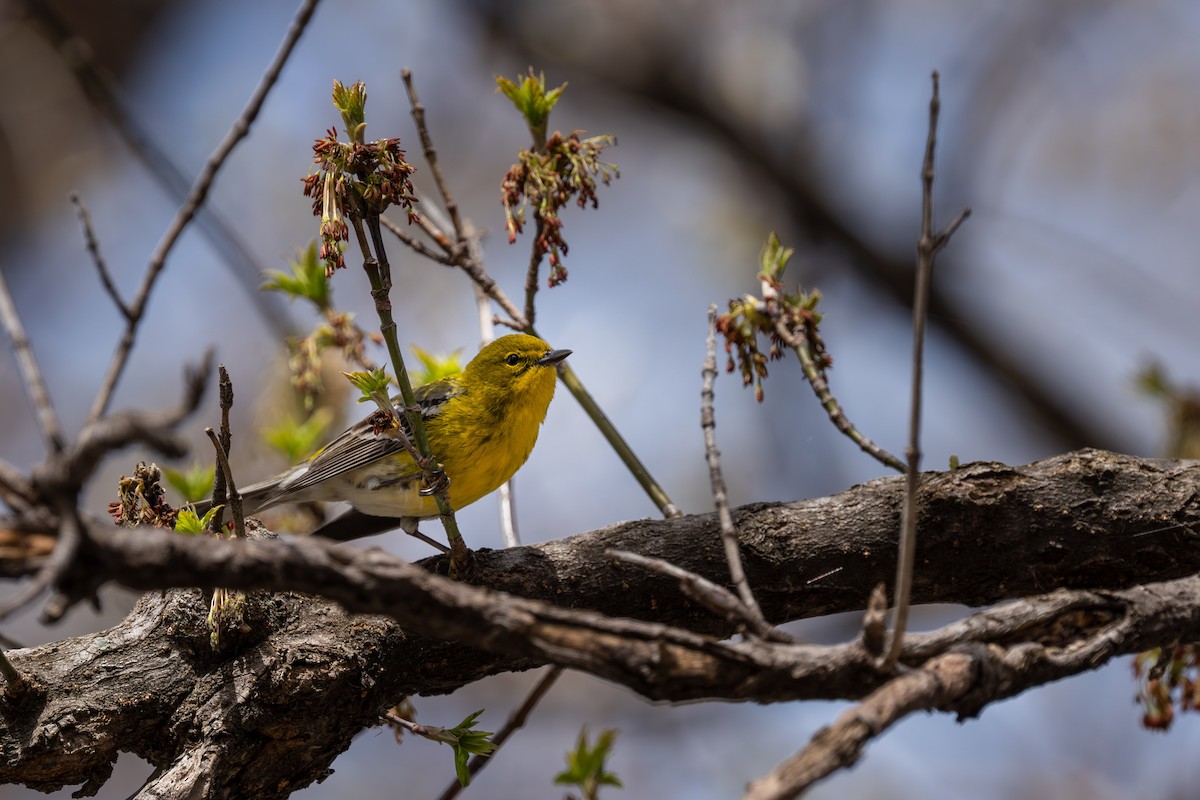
(482, 424)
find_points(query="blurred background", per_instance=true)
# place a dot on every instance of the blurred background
(1070, 128)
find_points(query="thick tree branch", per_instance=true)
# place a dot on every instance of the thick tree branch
(988, 532)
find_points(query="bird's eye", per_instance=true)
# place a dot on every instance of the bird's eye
(512, 359)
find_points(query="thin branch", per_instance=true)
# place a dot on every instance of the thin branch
(716, 598)
(439, 236)
(708, 423)
(235, 497)
(840, 745)
(531, 273)
(35, 384)
(415, 244)
(418, 114)
(93, 247)
(103, 92)
(473, 266)
(153, 429)
(195, 199)
(221, 489)
(515, 722)
(837, 415)
(15, 488)
(635, 466)
(927, 246)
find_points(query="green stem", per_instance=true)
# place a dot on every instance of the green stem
(626, 454)
(379, 274)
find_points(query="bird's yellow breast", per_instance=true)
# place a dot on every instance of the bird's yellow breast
(481, 444)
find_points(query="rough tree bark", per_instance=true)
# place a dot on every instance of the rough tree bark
(266, 713)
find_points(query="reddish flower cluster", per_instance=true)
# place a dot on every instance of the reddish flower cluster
(355, 179)
(749, 316)
(547, 179)
(141, 500)
(1166, 679)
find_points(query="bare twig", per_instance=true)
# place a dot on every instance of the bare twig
(708, 423)
(418, 114)
(15, 488)
(225, 387)
(235, 497)
(35, 384)
(415, 244)
(840, 745)
(220, 492)
(433, 231)
(837, 415)
(927, 246)
(104, 93)
(195, 199)
(154, 429)
(93, 247)
(716, 598)
(532, 272)
(466, 261)
(514, 723)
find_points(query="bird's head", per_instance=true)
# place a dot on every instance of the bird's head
(519, 365)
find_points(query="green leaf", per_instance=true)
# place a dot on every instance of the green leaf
(532, 100)
(374, 385)
(435, 367)
(306, 279)
(351, 101)
(189, 522)
(297, 441)
(774, 258)
(467, 742)
(1153, 381)
(193, 485)
(585, 765)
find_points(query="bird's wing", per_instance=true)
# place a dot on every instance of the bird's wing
(432, 396)
(359, 445)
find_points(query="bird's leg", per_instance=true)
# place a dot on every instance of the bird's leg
(409, 526)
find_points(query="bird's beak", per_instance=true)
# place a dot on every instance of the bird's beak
(553, 357)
